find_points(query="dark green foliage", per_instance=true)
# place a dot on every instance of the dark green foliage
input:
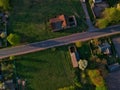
(4, 4)
(102, 23)
(111, 16)
(112, 2)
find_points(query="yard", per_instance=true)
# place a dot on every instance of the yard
(29, 18)
(46, 70)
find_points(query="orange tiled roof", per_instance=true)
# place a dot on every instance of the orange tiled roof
(58, 19)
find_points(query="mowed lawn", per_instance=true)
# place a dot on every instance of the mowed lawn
(29, 18)
(46, 70)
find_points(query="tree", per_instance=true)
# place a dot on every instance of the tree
(97, 79)
(110, 16)
(3, 35)
(13, 39)
(4, 4)
(82, 64)
(102, 23)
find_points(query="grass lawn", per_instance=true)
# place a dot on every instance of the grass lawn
(84, 51)
(46, 70)
(29, 18)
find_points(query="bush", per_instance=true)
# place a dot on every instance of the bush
(78, 44)
(4, 4)
(111, 16)
(82, 64)
(112, 2)
(13, 39)
(96, 78)
(12, 57)
(102, 23)
(3, 35)
(101, 88)
(67, 88)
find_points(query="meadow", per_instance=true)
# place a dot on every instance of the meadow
(30, 18)
(46, 70)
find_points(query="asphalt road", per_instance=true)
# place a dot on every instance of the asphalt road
(33, 47)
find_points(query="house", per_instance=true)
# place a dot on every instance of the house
(74, 56)
(97, 1)
(105, 48)
(62, 22)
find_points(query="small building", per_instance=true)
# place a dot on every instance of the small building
(105, 48)
(62, 22)
(74, 56)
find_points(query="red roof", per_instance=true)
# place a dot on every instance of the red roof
(60, 18)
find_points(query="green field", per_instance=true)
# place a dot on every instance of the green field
(46, 70)
(29, 18)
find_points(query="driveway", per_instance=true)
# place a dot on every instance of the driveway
(99, 7)
(113, 81)
(116, 42)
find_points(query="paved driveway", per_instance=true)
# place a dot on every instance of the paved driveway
(113, 80)
(116, 42)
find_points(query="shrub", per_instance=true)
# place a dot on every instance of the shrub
(96, 78)
(12, 57)
(101, 88)
(67, 88)
(78, 44)
(82, 64)
(3, 35)
(110, 16)
(102, 23)
(4, 4)
(13, 39)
